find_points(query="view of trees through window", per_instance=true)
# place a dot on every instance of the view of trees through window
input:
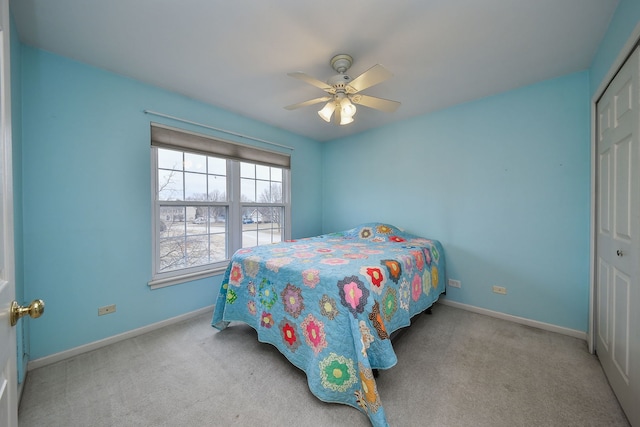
(261, 187)
(193, 207)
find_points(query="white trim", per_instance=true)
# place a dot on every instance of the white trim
(53, 358)
(516, 319)
(592, 236)
(184, 278)
(624, 53)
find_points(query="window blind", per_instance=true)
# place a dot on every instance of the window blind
(167, 137)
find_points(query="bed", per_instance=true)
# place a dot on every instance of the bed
(330, 303)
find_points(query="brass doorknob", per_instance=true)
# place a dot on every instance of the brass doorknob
(35, 310)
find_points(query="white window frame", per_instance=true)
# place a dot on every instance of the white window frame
(164, 138)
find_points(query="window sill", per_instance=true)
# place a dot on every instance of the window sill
(176, 280)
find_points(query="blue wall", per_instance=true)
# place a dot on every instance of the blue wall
(503, 182)
(87, 198)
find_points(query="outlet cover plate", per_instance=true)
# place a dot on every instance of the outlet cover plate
(107, 309)
(500, 290)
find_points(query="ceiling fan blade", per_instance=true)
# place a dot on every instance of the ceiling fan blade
(311, 80)
(309, 102)
(371, 77)
(376, 103)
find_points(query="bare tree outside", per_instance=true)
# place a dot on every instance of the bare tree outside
(270, 196)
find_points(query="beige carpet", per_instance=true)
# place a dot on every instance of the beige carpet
(455, 368)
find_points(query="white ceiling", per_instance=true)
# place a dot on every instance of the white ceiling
(236, 54)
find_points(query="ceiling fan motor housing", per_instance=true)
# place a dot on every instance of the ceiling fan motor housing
(339, 81)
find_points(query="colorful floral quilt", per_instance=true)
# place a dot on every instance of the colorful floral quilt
(329, 304)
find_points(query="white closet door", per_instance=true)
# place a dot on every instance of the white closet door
(618, 236)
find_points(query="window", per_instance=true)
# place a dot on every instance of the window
(211, 198)
(261, 195)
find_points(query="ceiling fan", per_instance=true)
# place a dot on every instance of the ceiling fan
(343, 91)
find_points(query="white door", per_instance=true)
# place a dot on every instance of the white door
(8, 370)
(618, 236)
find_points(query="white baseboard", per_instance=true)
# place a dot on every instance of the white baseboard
(48, 360)
(53, 358)
(523, 321)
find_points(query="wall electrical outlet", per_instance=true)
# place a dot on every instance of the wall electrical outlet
(107, 309)
(500, 290)
(455, 283)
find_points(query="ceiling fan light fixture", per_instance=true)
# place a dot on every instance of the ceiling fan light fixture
(327, 111)
(345, 120)
(348, 109)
